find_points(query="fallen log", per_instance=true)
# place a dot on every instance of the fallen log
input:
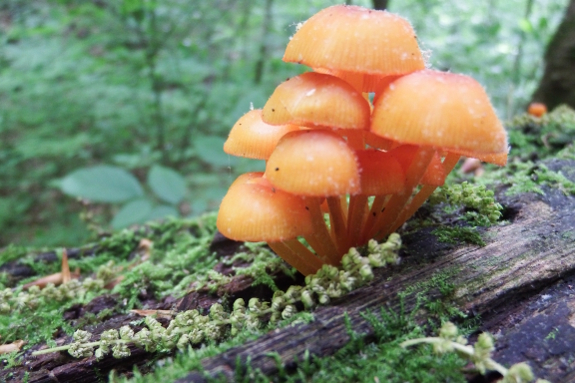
(520, 284)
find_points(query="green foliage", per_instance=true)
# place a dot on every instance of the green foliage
(167, 184)
(113, 184)
(102, 184)
(140, 83)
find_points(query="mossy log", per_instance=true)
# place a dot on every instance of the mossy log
(521, 285)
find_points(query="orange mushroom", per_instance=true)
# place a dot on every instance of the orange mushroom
(537, 109)
(435, 111)
(252, 138)
(317, 164)
(254, 210)
(357, 44)
(317, 100)
(419, 116)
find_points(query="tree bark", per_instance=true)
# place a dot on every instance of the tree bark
(557, 85)
(380, 4)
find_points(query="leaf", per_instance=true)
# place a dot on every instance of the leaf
(525, 26)
(210, 149)
(133, 212)
(167, 184)
(162, 211)
(102, 183)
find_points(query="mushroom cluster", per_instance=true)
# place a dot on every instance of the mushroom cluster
(341, 169)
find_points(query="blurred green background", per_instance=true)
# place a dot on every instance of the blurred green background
(152, 87)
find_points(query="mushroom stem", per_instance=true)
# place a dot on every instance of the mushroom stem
(355, 138)
(377, 206)
(321, 240)
(338, 224)
(377, 142)
(449, 163)
(355, 217)
(414, 173)
(297, 255)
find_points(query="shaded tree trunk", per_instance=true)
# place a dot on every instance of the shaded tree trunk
(380, 4)
(558, 83)
(266, 26)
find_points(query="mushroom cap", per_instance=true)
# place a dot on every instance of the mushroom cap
(316, 163)
(254, 210)
(350, 39)
(443, 110)
(537, 109)
(317, 100)
(252, 138)
(381, 173)
(499, 159)
(246, 177)
(356, 39)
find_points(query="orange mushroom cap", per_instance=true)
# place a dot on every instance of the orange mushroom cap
(315, 163)
(317, 100)
(246, 177)
(347, 40)
(443, 110)
(252, 138)
(381, 173)
(254, 210)
(537, 109)
(499, 159)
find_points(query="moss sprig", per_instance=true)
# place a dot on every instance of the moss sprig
(479, 354)
(15, 301)
(481, 207)
(190, 328)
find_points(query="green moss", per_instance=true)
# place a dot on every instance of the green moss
(179, 246)
(383, 360)
(529, 177)
(480, 206)
(532, 137)
(459, 234)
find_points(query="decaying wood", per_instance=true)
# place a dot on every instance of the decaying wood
(521, 258)
(521, 284)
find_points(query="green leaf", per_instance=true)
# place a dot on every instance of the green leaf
(102, 183)
(167, 184)
(210, 149)
(162, 211)
(133, 212)
(525, 26)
